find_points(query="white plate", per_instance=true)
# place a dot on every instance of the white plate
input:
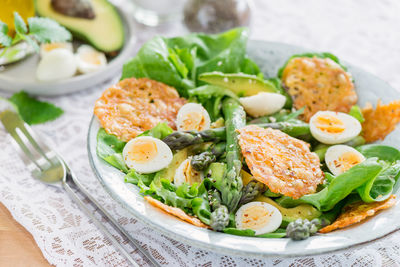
(22, 75)
(269, 56)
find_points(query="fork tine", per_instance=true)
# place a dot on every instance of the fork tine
(37, 157)
(25, 154)
(37, 142)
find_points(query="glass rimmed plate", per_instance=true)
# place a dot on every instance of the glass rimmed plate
(269, 56)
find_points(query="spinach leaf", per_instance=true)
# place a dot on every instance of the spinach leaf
(154, 61)
(178, 61)
(382, 186)
(341, 186)
(109, 148)
(386, 153)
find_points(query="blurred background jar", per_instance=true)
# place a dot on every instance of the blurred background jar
(25, 8)
(156, 12)
(213, 16)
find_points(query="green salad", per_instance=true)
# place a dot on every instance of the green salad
(208, 138)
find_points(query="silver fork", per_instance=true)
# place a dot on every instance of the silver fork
(47, 166)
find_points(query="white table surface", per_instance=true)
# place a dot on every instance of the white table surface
(365, 33)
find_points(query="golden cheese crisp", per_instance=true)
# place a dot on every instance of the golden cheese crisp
(176, 212)
(318, 84)
(381, 121)
(358, 211)
(285, 164)
(132, 106)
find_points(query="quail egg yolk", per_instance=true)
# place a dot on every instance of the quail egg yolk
(329, 124)
(52, 46)
(193, 121)
(91, 57)
(143, 151)
(347, 160)
(255, 217)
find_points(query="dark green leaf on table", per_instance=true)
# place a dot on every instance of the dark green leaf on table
(34, 111)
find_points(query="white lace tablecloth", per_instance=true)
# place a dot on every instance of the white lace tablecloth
(365, 33)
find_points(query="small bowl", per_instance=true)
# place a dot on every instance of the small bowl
(22, 75)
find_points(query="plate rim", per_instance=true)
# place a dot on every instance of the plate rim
(210, 246)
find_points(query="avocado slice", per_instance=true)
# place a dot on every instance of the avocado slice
(239, 83)
(216, 171)
(302, 211)
(105, 31)
(169, 172)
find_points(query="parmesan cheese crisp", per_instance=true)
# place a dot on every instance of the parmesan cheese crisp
(285, 164)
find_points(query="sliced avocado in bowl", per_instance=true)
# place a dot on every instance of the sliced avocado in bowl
(239, 83)
(105, 31)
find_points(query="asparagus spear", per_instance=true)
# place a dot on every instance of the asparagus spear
(201, 161)
(219, 218)
(235, 118)
(251, 191)
(179, 140)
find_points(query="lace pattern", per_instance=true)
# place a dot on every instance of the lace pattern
(362, 32)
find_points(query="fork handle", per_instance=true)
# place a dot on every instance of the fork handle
(99, 225)
(114, 223)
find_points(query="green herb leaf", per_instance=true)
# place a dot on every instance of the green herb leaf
(19, 23)
(34, 111)
(46, 30)
(5, 40)
(31, 42)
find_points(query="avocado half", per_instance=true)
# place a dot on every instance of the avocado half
(105, 32)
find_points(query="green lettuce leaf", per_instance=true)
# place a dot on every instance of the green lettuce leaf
(109, 148)
(160, 131)
(356, 112)
(192, 199)
(34, 111)
(134, 177)
(210, 96)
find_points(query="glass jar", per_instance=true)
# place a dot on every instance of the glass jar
(213, 16)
